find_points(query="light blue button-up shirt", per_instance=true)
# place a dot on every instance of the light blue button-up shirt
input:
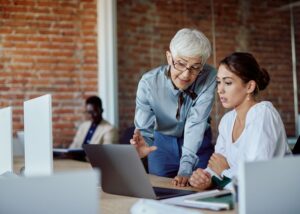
(156, 107)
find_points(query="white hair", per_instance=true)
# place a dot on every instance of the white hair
(190, 43)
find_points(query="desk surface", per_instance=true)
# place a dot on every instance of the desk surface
(109, 203)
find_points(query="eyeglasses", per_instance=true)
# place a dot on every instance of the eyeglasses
(182, 67)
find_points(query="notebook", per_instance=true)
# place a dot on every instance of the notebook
(69, 192)
(124, 174)
(270, 186)
(210, 199)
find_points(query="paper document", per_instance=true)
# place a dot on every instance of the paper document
(213, 200)
(66, 150)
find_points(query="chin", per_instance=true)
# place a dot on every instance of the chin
(182, 86)
(226, 105)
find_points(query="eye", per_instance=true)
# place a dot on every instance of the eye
(218, 82)
(228, 83)
(195, 67)
(181, 64)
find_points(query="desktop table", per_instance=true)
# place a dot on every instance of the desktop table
(109, 203)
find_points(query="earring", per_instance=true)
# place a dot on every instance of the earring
(248, 97)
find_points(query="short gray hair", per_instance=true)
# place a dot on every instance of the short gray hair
(190, 43)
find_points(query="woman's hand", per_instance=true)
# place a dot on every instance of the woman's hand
(200, 179)
(218, 163)
(180, 181)
(141, 146)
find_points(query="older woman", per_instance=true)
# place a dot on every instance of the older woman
(173, 104)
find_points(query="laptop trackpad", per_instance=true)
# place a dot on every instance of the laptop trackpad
(163, 193)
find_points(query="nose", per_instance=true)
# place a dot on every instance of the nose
(220, 88)
(186, 73)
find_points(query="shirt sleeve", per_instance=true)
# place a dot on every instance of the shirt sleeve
(194, 129)
(262, 144)
(220, 146)
(263, 135)
(144, 116)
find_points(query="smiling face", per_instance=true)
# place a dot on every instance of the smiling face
(184, 70)
(233, 92)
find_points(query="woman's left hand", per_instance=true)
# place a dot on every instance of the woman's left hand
(218, 163)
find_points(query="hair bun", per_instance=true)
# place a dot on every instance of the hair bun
(264, 79)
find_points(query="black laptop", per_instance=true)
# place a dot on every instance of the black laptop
(124, 174)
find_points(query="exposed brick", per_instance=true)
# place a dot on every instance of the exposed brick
(39, 42)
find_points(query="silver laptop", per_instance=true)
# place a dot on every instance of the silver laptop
(124, 174)
(63, 193)
(270, 186)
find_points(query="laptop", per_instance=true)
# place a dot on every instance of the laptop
(124, 174)
(69, 192)
(270, 186)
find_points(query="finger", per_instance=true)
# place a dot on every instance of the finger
(175, 181)
(178, 181)
(184, 181)
(132, 142)
(152, 148)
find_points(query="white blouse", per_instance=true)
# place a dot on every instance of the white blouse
(263, 137)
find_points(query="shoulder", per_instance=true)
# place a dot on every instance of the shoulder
(228, 117)
(86, 123)
(206, 79)
(209, 72)
(263, 111)
(106, 125)
(210, 69)
(155, 73)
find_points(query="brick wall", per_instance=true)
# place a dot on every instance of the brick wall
(48, 46)
(146, 27)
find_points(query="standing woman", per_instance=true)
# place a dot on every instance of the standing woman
(253, 130)
(173, 104)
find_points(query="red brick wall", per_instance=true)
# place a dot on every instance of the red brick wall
(146, 27)
(48, 46)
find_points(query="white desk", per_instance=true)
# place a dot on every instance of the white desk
(109, 203)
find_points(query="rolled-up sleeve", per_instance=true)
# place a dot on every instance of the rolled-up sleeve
(144, 115)
(195, 126)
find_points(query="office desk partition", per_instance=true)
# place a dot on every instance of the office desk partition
(109, 203)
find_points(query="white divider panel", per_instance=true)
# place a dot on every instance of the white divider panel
(38, 136)
(6, 160)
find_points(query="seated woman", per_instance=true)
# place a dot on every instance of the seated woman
(252, 131)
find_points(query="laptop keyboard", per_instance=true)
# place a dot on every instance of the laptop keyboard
(163, 193)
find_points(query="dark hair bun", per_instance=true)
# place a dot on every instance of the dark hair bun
(264, 79)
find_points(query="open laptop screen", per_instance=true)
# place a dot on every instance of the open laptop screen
(123, 172)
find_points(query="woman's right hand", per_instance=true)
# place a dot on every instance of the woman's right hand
(140, 144)
(200, 179)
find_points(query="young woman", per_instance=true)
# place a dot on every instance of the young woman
(252, 130)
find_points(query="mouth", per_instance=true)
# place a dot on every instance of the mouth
(223, 99)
